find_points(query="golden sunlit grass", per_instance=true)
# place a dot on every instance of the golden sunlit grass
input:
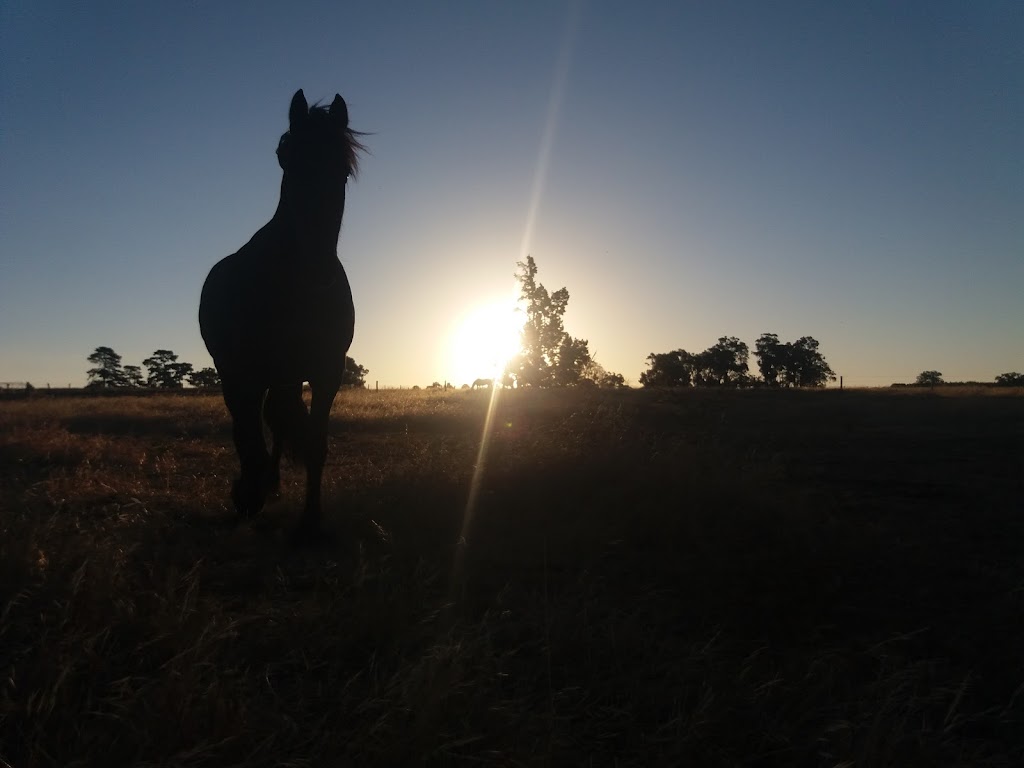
(650, 578)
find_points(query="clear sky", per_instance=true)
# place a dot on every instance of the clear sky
(849, 171)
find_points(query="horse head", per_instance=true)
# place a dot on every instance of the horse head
(319, 151)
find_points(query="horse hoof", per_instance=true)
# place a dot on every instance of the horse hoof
(247, 505)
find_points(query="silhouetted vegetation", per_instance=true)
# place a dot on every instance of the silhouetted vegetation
(722, 365)
(165, 371)
(133, 376)
(355, 374)
(932, 379)
(549, 357)
(594, 373)
(108, 371)
(796, 364)
(1011, 379)
(791, 364)
(204, 378)
(929, 379)
(715, 579)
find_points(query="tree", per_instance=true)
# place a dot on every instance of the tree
(108, 371)
(355, 374)
(595, 373)
(770, 353)
(1011, 379)
(807, 366)
(793, 364)
(669, 369)
(550, 356)
(929, 378)
(573, 357)
(724, 364)
(133, 376)
(205, 377)
(165, 370)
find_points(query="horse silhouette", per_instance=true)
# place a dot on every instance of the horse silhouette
(483, 383)
(278, 312)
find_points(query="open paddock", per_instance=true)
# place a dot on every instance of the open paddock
(644, 578)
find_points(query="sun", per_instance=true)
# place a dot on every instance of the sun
(484, 339)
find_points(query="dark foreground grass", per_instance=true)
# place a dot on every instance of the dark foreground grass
(710, 579)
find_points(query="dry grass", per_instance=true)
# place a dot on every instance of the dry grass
(705, 578)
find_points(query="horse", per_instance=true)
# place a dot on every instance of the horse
(278, 312)
(483, 384)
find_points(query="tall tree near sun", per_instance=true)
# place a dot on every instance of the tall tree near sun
(550, 357)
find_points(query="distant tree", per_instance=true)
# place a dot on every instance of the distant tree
(771, 358)
(573, 356)
(724, 364)
(1012, 379)
(549, 356)
(355, 375)
(204, 377)
(108, 371)
(612, 381)
(180, 372)
(669, 369)
(133, 376)
(793, 364)
(929, 379)
(807, 366)
(165, 371)
(595, 373)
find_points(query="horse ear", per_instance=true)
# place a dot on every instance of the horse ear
(299, 109)
(339, 110)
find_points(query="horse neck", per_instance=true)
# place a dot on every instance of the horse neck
(314, 228)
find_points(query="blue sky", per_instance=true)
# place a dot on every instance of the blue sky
(853, 172)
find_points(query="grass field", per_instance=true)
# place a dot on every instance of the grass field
(701, 578)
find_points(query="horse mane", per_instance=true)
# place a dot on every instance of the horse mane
(319, 116)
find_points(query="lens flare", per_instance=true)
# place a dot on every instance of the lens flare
(555, 99)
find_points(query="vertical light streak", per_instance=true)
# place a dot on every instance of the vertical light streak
(555, 100)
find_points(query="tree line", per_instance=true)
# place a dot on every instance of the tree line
(550, 357)
(164, 371)
(934, 379)
(781, 364)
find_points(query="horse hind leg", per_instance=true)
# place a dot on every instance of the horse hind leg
(250, 489)
(286, 415)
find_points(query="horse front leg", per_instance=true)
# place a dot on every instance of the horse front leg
(285, 414)
(250, 489)
(316, 453)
